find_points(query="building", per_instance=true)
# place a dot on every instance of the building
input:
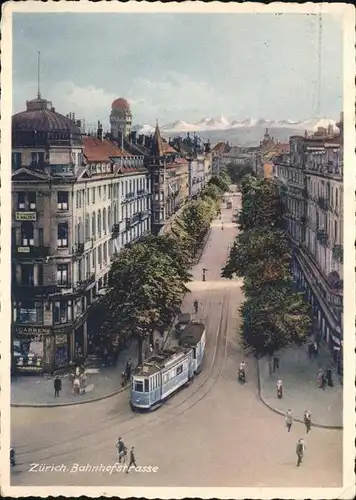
(76, 200)
(268, 149)
(217, 153)
(120, 120)
(311, 180)
(170, 182)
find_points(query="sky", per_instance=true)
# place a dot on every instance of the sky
(179, 66)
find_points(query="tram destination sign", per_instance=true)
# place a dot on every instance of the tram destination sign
(26, 216)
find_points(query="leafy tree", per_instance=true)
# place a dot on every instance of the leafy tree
(274, 319)
(261, 204)
(196, 218)
(211, 191)
(262, 256)
(222, 181)
(237, 172)
(144, 291)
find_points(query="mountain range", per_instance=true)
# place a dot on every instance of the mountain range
(221, 123)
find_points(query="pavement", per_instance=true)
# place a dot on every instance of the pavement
(300, 390)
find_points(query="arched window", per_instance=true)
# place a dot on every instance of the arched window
(27, 234)
(104, 220)
(99, 223)
(93, 228)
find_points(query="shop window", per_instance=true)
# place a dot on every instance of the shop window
(30, 312)
(27, 274)
(62, 200)
(27, 234)
(62, 234)
(21, 201)
(62, 312)
(62, 274)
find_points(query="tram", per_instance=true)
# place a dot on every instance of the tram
(164, 373)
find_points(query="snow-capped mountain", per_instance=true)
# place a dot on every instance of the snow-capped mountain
(222, 123)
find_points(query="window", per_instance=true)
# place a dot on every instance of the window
(100, 255)
(16, 160)
(93, 230)
(336, 198)
(104, 193)
(99, 224)
(62, 312)
(87, 227)
(30, 311)
(335, 230)
(180, 369)
(27, 234)
(147, 388)
(105, 252)
(138, 386)
(88, 196)
(27, 274)
(62, 200)
(40, 237)
(99, 192)
(104, 220)
(62, 234)
(32, 200)
(93, 195)
(21, 201)
(62, 274)
(94, 258)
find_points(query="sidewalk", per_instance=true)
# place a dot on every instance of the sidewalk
(300, 390)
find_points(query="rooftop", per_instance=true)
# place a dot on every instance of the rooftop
(191, 334)
(96, 150)
(164, 359)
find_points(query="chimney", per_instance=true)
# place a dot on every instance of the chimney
(99, 133)
(53, 110)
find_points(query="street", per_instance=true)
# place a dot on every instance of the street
(213, 433)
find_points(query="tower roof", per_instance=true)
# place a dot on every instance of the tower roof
(120, 103)
(157, 148)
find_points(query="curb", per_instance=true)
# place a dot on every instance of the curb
(280, 412)
(50, 405)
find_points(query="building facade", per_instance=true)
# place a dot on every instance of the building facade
(67, 195)
(311, 180)
(120, 119)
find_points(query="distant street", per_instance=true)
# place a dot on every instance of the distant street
(213, 433)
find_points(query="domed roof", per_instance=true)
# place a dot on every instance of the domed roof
(40, 116)
(120, 103)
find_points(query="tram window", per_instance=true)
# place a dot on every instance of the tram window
(179, 369)
(139, 386)
(194, 353)
(147, 389)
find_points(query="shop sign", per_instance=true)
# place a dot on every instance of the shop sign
(61, 338)
(23, 249)
(63, 330)
(32, 330)
(26, 216)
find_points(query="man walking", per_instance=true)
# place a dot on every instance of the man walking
(120, 449)
(57, 384)
(300, 451)
(128, 370)
(307, 421)
(289, 420)
(275, 362)
(132, 460)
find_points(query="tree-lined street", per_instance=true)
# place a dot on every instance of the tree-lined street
(216, 432)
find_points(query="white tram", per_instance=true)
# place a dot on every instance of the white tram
(164, 373)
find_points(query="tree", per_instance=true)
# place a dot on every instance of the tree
(274, 319)
(261, 204)
(144, 291)
(237, 172)
(262, 256)
(211, 191)
(222, 182)
(196, 218)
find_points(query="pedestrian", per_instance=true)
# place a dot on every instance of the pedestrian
(289, 420)
(307, 421)
(128, 369)
(310, 348)
(316, 348)
(132, 460)
(275, 362)
(300, 451)
(319, 378)
(57, 384)
(222, 226)
(323, 381)
(279, 389)
(123, 379)
(120, 449)
(157, 345)
(329, 377)
(150, 350)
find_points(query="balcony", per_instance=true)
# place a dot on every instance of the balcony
(30, 252)
(338, 253)
(30, 291)
(82, 285)
(141, 192)
(323, 203)
(88, 244)
(78, 249)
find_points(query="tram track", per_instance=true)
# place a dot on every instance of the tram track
(166, 414)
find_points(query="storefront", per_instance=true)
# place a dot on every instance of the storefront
(31, 349)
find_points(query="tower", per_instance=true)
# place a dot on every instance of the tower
(120, 119)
